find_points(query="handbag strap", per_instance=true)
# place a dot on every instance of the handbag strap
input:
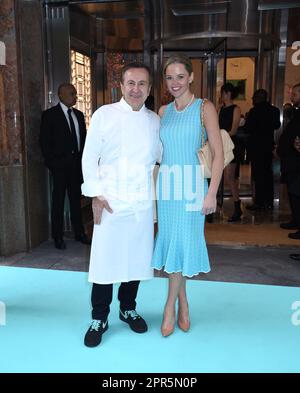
(202, 121)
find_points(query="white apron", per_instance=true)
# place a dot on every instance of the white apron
(122, 244)
(122, 248)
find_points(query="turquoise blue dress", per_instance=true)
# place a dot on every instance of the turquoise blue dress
(180, 244)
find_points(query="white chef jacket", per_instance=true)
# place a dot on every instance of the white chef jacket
(120, 151)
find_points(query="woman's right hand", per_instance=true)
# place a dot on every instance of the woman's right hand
(209, 204)
(98, 204)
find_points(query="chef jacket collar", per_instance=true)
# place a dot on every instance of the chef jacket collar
(128, 107)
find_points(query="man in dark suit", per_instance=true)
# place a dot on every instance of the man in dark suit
(263, 119)
(289, 153)
(62, 138)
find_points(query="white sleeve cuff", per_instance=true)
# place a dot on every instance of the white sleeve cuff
(92, 188)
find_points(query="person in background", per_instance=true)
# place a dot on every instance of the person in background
(229, 120)
(289, 152)
(262, 121)
(62, 138)
(288, 111)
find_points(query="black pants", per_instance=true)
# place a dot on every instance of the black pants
(69, 180)
(295, 209)
(262, 173)
(102, 297)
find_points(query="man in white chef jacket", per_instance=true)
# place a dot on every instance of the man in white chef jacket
(121, 148)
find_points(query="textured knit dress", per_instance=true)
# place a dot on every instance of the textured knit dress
(180, 245)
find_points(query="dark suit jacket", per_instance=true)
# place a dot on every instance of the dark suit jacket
(289, 156)
(55, 139)
(263, 119)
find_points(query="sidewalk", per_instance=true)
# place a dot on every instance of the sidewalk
(241, 264)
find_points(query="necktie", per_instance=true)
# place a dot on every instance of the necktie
(73, 132)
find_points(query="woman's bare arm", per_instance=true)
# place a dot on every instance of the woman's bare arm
(211, 123)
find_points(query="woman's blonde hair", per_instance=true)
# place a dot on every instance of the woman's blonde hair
(179, 58)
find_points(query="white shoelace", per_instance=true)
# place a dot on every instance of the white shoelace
(95, 325)
(134, 315)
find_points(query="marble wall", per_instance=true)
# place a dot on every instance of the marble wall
(10, 134)
(23, 178)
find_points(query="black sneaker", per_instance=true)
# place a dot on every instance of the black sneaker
(134, 320)
(94, 335)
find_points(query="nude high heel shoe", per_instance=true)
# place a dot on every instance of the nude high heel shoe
(167, 330)
(184, 325)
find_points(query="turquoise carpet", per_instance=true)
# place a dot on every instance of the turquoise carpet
(235, 328)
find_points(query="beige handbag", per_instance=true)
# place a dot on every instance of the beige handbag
(205, 155)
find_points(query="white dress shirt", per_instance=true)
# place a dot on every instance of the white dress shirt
(65, 110)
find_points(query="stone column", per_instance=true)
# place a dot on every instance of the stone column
(23, 178)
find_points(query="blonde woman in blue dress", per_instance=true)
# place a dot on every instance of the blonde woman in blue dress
(180, 248)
